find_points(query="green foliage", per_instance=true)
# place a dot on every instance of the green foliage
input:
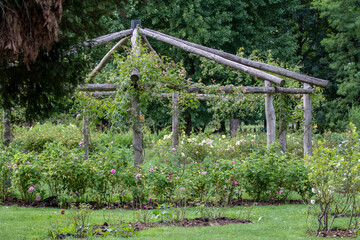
(354, 116)
(26, 175)
(6, 169)
(270, 174)
(36, 138)
(334, 175)
(342, 45)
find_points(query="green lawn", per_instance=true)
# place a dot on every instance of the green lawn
(277, 222)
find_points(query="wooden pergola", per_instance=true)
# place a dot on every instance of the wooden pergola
(259, 70)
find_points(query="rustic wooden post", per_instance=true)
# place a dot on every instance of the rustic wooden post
(270, 116)
(138, 143)
(7, 127)
(175, 120)
(307, 122)
(234, 126)
(282, 136)
(86, 133)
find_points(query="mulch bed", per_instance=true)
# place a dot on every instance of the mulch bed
(336, 233)
(197, 222)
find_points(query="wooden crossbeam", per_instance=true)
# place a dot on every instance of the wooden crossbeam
(195, 89)
(258, 65)
(249, 70)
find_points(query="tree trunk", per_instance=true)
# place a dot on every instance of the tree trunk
(234, 126)
(7, 127)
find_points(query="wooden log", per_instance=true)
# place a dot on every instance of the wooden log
(234, 126)
(137, 141)
(282, 136)
(151, 49)
(258, 65)
(307, 123)
(216, 58)
(98, 87)
(196, 89)
(86, 133)
(270, 117)
(175, 120)
(107, 38)
(106, 58)
(7, 127)
(200, 97)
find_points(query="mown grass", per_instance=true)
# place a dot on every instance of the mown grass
(277, 222)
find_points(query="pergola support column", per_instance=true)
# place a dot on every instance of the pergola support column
(86, 133)
(137, 141)
(175, 120)
(307, 123)
(270, 117)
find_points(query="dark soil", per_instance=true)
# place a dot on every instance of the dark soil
(336, 232)
(197, 222)
(150, 205)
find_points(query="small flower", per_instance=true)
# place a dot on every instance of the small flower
(144, 207)
(78, 115)
(97, 135)
(173, 150)
(28, 162)
(76, 158)
(81, 143)
(313, 190)
(150, 199)
(204, 173)
(182, 188)
(27, 127)
(31, 188)
(223, 136)
(15, 165)
(233, 162)
(8, 164)
(38, 198)
(281, 191)
(300, 106)
(112, 142)
(138, 175)
(113, 171)
(62, 212)
(156, 168)
(151, 170)
(312, 201)
(236, 182)
(183, 154)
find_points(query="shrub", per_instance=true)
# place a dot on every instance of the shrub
(39, 136)
(6, 169)
(334, 175)
(269, 172)
(27, 176)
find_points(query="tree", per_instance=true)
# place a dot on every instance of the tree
(44, 77)
(27, 26)
(342, 42)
